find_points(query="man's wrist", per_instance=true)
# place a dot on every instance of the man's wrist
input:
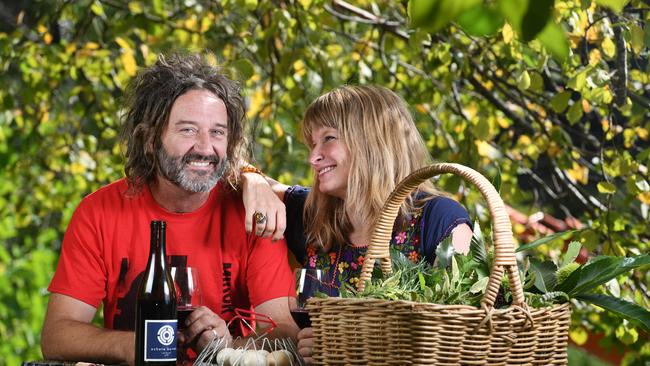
(250, 169)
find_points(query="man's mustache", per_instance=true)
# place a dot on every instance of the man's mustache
(198, 157)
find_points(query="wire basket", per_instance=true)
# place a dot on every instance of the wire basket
(384, 332)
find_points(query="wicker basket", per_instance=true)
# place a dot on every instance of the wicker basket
(381, 332)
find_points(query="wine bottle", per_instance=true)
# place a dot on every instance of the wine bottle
(156, 323)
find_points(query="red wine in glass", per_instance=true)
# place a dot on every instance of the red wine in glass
(301, 317)
(309, 282)
(182, 314)
(188, 298)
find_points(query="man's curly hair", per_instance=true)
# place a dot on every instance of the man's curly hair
(149, 100)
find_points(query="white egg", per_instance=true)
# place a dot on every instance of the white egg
(253, 358)
(223, 356)
(235, 358)
(280, 358)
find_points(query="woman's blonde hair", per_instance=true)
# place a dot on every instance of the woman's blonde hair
(384, 147)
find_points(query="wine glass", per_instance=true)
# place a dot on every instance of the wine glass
(188, 298)
(309, 281)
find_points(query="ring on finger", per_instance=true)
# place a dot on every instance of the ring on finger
(260, 218)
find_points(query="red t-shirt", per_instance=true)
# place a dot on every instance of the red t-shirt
(106, 247)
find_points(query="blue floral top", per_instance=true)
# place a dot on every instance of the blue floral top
(418, 238)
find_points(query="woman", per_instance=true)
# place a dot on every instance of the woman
(362, 142)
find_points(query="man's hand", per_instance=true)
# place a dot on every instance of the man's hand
(259, 196)
(305, 344)
(202, 326)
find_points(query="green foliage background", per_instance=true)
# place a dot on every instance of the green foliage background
(564, 117)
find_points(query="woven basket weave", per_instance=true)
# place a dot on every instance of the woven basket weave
(383, 332)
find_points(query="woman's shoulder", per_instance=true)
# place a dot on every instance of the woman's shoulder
(441, 206)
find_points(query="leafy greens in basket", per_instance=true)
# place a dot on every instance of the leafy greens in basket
(457, 279)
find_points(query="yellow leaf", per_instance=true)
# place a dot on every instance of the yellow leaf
(47, 38)
(642, 133)
(128, 61)
(77, 168)
(606, 187)
(41, 28)
(507, 33)
(595, 56)
(135, 7)
(486, 150)
(190, 23)
(123, 44)
(206, 23)
(279, 131)
(578, 173)
(91, 45)
(608, 47)
(45, 116)
(334, 50)
(257, 102)
(579, 336)
(644, 197)
(299, 67)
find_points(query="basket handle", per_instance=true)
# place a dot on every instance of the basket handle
(504, 244)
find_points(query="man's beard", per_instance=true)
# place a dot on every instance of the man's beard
(176, 170)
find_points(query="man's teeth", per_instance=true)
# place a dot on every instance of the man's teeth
(325, 170)
(201, 164)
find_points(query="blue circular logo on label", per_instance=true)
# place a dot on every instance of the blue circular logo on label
(166, 335)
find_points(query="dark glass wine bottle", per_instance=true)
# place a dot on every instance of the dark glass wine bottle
(156, 324)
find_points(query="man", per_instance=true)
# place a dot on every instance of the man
(185, 144)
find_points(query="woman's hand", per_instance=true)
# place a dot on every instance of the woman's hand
(203, 326)
(305, 344)
(265, 212)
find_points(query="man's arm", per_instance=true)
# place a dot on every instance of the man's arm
(265, 195)
(278, 310)
(68, 334)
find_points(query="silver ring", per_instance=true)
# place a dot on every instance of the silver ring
(260, 218)
(215, 333)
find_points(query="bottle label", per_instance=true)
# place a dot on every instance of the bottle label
(160, 340)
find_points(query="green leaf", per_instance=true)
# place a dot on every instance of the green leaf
(606, 187)
(544, 274)
(514, 11)
(523, 81)
(455, 272)
(477, 247)
(560, 101)
(624, 309)
(496, 182)
(434, 15)
(554, 40)
(444, 253)
(571, 253)
(535, 19)
(244, 68)
(616, 5)
(637, 36)
(598, 272)
(480, 21)
(479, 286)
(544, 240)
(575, 112)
